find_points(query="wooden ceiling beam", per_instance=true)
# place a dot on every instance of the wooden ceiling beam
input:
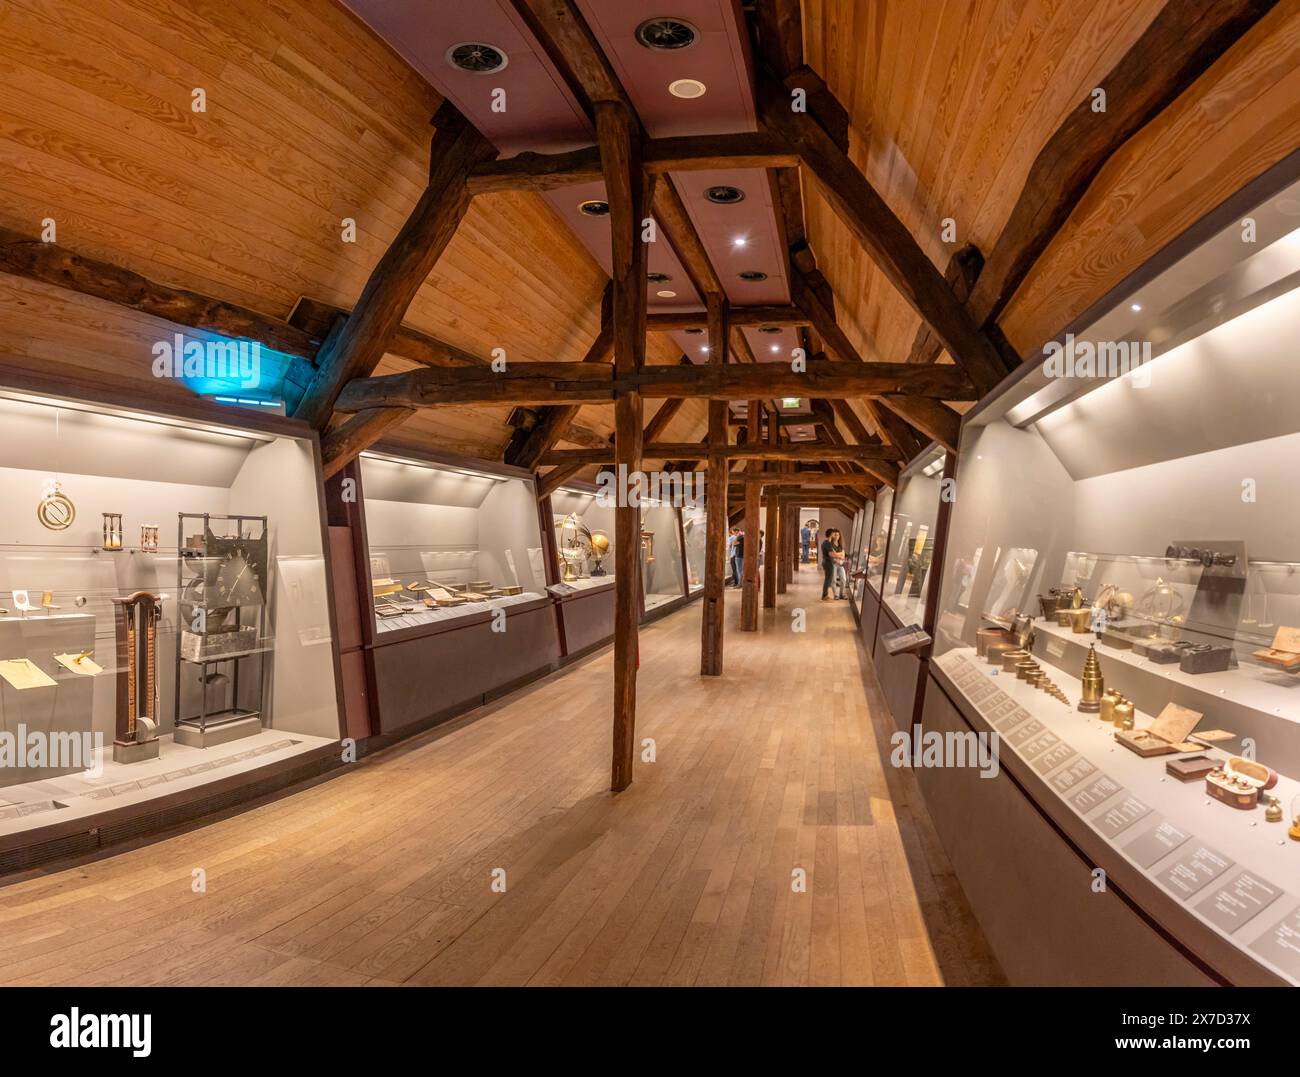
(408, 343)
(52, 264)
(676, 224)
(691, 153)
(882, 235)
(573, 384)
(1183, 40)
(805, 479)
(348, 439)
(356, 349)
(932, 417)
(528, 447)
(673, 450)
(777, 314)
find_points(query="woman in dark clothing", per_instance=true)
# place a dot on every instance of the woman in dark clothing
(828, 565)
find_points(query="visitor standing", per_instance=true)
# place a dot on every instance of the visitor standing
(828, 565)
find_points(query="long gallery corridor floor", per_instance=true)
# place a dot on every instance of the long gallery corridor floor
(384, 874)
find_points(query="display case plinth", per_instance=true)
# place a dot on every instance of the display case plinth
(135, 753)
(224, 733)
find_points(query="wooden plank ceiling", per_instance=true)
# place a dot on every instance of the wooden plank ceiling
(312, 119)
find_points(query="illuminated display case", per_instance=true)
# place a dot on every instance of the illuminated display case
(694, 527)
(176, 686)
(584, 539)
(912, 534)
(1120, 603)
(662, 566)
(447, 544)
(456, 584)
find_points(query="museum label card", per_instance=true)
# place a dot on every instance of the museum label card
(1156, 842)
(1036, 746)
(1094, 793)
(1073, 775)
(1280, 944)
(1119, 817)
(1056, 756)
(1234, 903)
(1031, 728)
(79, 663)
(1196, 867)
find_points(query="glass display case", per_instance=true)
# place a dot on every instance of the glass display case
(448, 544)
(858, 551)
(584, 539)
(662, 571)
(879, 540)
(163, 596)
(1121, 595)
(911, 543)
(694, 528)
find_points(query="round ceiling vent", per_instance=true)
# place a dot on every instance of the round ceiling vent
(477, 57)
(753, 275)
(724, 195)
(594, 207)
(666, 34)
(770, 329)
(694, 330)
(658, 278)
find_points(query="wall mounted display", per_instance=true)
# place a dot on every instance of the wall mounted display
(1142, 511)
(662, 565)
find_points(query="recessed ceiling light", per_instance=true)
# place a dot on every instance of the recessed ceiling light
(687, 88)
(666, 294)
(477, 57)
(1289, 206)
(594, 207)
(739, 241)
(665, 34)
(776, 347)
(724, 195)
(704, 348)
(753, 275)
(1135, 307)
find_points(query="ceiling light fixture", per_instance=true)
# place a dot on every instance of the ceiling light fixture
(477, 58)
(1135, 307)
(724, 195)
(664, 34)
(686, 88)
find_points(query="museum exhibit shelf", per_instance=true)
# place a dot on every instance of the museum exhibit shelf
(164, 607)
(456, 605)
(1120, 606)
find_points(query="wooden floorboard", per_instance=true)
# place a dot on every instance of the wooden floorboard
(384, 874)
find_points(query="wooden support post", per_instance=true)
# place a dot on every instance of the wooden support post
(712, 617)
(627, 191)
(772, 536)
(749, 574)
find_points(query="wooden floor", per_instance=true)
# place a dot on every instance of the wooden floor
(385, 874)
